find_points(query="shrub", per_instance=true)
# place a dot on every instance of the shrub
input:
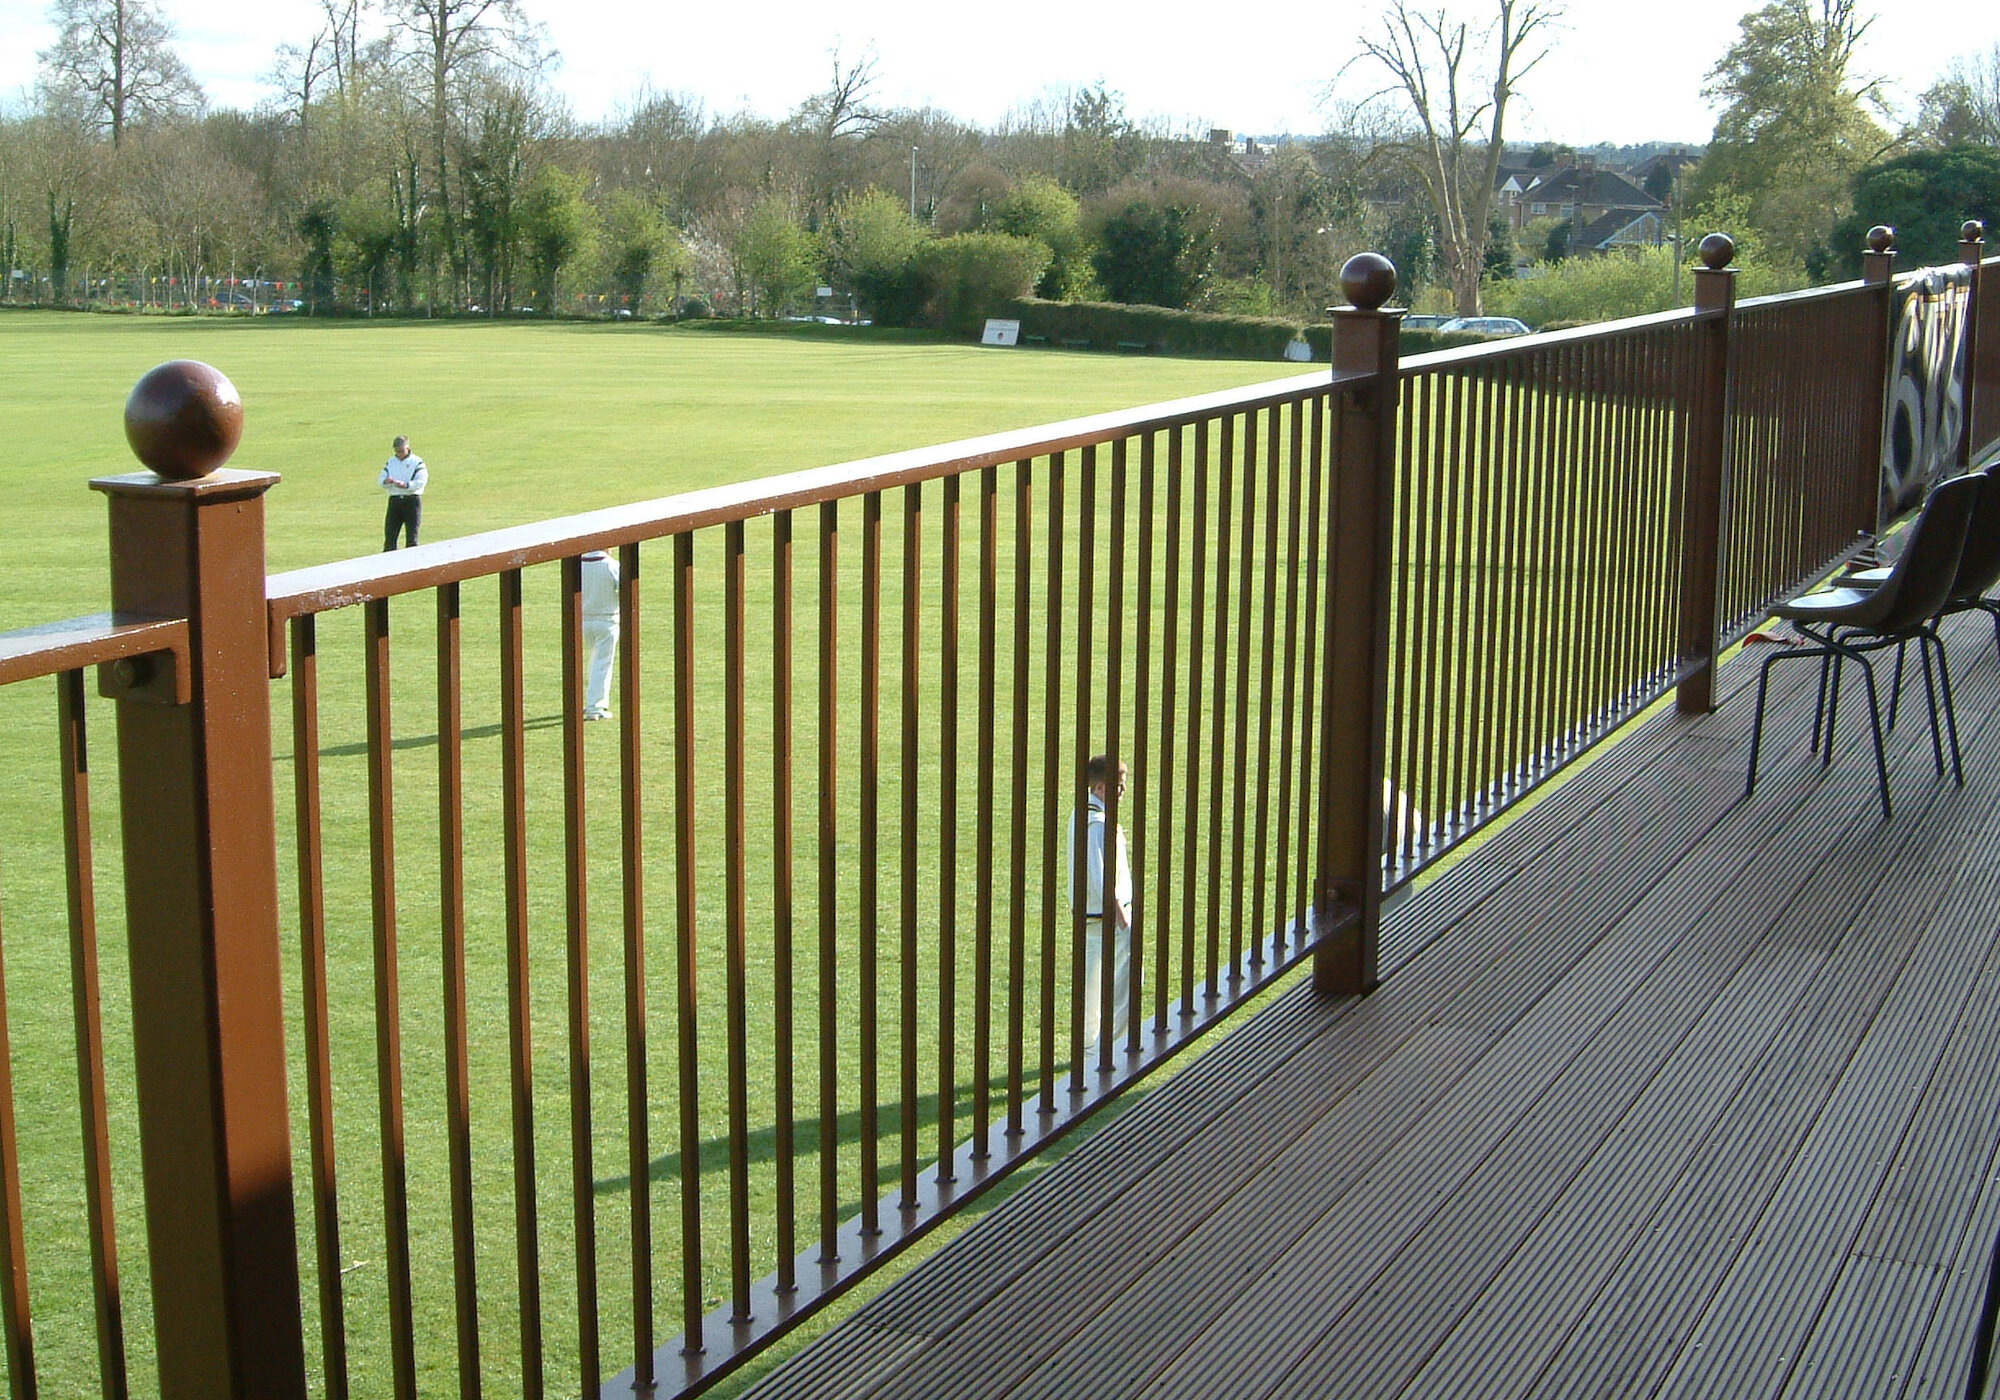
(1107, 324)
(971, 276)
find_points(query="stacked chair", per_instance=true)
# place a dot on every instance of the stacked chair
(1870, 612)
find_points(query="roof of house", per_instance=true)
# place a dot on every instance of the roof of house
(1616, 226)
(1573, 185)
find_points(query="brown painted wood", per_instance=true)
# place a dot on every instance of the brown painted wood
(520, 1025)
(73, 753)
(451, 910)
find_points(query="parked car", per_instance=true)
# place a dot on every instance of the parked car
(1416, 321)
(1486, 325)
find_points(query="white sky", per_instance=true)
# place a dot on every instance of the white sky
(1619, 71)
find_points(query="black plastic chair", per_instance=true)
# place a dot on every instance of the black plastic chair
(1978, 571)
(1845, 624)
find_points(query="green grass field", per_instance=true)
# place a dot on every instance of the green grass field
(518, 423)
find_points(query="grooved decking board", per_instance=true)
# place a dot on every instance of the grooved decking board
(1665, 1086)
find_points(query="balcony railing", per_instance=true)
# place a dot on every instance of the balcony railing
(615, 1052)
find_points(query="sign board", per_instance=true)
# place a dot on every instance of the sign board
(826, 291)
(1001, 333)
(1298, 350)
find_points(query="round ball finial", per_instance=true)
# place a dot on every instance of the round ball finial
(1717, 251)
(1881, 239)
(1368, 280)
(183, 419)
(1971, 231)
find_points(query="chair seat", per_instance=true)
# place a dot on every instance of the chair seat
(1840, 604)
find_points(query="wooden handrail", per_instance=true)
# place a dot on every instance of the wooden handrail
(325, 587)
(54, 647)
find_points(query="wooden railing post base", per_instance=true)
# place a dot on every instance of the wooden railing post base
(202, 918)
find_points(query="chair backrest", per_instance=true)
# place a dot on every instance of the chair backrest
(1928, 566)
(1979, 565)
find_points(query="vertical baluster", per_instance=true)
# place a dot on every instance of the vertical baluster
(1082, 741)
(1017, 873)
(576, 951)
(871, 855)
(783, 915)
(1114, 659)
(1409, 544)
(1219, 714)
(1239, 835)
(388, 1010)
(736, 921)
(982, 996)
(451, 901)
(1142, 767)
(520, 1028)
(73, 752)
(1163, 795)
(686, 948)
(312, 971)
(947, 1047)
(1267, 700)
(906, 1001)
(1324, 405)
(632, 869)
(1282, 911)
(829, 882)
(16, 1322)
(1477, 692)
(1196, 672)
(1052, 780)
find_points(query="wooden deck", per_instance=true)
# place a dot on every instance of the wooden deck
(1668, 1093)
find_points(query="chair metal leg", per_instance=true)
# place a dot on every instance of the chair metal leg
(1950, 710)
(1875, 721)
(1819, 700)
(1832, 711)
(1924, 642)
(1896, 687)
(1757, 723)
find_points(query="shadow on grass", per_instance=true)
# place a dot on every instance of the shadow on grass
(429, 741)
(761, 1145)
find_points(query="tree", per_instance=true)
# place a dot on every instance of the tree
(1099, 146)
(871, 241)
(1963, 107)
(1926, 196)
(1154, 254)
(1041, 209)
(1795, 125)
(1455, 88)
(449, 40)
(557, 226)
(773, 256)
(118, 57)
(636, 242)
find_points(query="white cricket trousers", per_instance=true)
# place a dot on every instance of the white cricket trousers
(1093, 979)
(600, 643)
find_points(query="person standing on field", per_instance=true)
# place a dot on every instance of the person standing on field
(1104, 899)
(600, 631)
(404, 478)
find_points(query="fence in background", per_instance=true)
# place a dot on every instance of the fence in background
(621, 1048)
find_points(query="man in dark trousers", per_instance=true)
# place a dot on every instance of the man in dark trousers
(404, 478)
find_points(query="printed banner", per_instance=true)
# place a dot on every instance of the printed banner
(1926, 409)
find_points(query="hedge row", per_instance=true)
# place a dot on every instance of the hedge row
(1106, 325)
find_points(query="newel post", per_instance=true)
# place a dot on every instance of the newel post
(201, 893)
(1354, 709)
(1878, 270)
(1971, 252)
(1707, 456)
